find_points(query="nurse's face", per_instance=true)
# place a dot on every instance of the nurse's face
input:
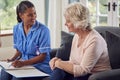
(29, 16)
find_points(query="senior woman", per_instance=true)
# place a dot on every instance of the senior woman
(89, 53)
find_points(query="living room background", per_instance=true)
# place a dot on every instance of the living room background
(50, 12)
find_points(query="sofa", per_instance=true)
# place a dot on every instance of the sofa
(112, 37)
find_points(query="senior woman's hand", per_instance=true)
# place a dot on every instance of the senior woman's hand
(52, 62)
(57, 63)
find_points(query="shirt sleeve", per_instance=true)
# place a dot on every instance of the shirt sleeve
(44, 41)
(91, 55)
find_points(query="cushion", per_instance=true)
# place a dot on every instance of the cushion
(113, 43)
(66, 37)
(64, 51)
(102, 30)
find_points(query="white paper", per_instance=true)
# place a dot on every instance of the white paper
(27, 73)
(8, 66)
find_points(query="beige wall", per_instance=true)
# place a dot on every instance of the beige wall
(6, 41)
(6, 49)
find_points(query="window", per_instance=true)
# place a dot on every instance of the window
(103, 13)
(7, 15)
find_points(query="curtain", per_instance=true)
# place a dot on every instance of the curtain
(56, 21)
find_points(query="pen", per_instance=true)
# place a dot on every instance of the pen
(18, 58)
(10, 65)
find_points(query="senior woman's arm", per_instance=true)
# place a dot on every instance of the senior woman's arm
(64, 65)
(90, 58)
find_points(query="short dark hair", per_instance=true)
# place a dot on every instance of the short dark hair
(22, 7)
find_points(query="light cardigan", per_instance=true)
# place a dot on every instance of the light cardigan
(91, 56)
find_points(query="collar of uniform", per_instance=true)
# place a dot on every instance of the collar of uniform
(33, 28)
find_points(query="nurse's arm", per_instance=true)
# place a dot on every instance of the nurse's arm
(37, 59)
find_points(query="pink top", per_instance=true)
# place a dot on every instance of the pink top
(91, 56)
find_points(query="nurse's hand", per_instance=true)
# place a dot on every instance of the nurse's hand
(17, 63)
(52, 62)
(10, 60)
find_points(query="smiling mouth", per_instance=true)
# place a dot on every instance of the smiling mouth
(32, 20)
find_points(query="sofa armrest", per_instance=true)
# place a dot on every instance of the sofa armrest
(106, 75)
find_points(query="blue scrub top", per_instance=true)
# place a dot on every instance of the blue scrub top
(36, 42)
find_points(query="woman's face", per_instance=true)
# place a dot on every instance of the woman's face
(69, 24)
(29, 16)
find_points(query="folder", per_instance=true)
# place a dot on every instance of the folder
(25, 71)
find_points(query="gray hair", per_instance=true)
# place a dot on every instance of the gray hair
(79, 15)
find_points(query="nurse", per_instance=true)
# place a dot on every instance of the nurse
(31, 41)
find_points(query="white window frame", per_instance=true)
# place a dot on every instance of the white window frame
(113, 19)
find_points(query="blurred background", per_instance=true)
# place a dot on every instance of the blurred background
(50, 12)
